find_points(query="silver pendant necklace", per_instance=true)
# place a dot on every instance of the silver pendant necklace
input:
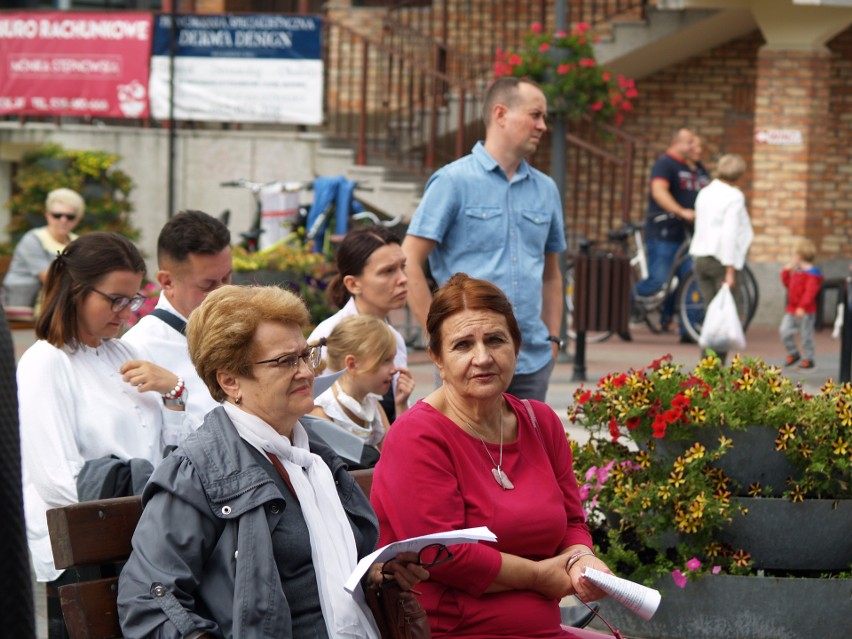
(497, 472)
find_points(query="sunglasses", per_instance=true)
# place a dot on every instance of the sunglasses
(68, 216)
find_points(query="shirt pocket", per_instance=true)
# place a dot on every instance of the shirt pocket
(535, 225)
(484, 228)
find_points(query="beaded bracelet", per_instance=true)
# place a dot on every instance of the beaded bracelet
(176, 391)
(574, 558)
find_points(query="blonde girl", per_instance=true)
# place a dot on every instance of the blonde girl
(363, 347)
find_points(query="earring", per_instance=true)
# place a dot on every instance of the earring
(237, 400)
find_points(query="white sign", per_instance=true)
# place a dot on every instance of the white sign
(239, 68)
(778, 137)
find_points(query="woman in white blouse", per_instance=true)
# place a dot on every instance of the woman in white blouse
(94, 420)
(723, 231)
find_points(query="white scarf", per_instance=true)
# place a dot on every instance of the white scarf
(332, 542)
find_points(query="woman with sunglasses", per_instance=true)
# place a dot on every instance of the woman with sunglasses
(94, 420)
(468, 455)
(250, 528)
(36, 250)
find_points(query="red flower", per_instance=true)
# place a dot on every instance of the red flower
(535, 27)
(587, 62)
(631, 93)
(605, 76)
(560, 34)
(681, 401)
(544, 47)
(581, 27)
(625, 106)
(633, 423)
(597, 106)
(672, 415)
(515, 59)
(621, 380)
(613, 430)
(659, 427)
(562, 69)
(625, 83)
(665, 358)
(582, 399)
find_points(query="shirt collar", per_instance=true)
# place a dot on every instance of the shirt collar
(490, 164)
(166, 305)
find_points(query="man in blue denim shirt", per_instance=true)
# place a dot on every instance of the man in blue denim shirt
(492, 216)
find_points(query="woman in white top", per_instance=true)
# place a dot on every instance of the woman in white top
(363, 347)
(94, 421)
(722, 233)
(371, 281)
(38, 247)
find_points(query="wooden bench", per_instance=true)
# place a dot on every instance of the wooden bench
(97, 534)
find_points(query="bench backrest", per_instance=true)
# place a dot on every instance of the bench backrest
(97, 534)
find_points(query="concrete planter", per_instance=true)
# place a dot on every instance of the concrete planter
(717, 606)
(815, 534)
(267, 278)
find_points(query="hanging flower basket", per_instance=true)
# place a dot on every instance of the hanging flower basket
(564, 65)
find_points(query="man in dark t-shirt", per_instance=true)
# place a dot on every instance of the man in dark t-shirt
(676, 178)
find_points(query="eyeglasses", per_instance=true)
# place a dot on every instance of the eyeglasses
(119, 302)
(428, 557)
(68, 216)
(311, 356)
(614, 631)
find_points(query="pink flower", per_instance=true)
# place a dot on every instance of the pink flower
(716, 570)
(597, 106)
(679, 578)
(544, 47)
(515, 59)
(562, 69)
(693, 564)
(560, 34)
(581, 27)
(624, 82)
(605, 76)
(584, 492)
(631, 93)
(535, 27)
(626, 106)
(591, 472)
(587, 62)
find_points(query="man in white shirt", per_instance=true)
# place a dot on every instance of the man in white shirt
(194, 256)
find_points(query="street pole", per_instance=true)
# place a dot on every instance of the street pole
(170, 210)
(557, 171)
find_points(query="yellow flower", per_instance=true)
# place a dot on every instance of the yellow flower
(697, 414)
(643, 459)
(714, 549)
(708, 363)
(676, 479)
(797, 494)
(664, 492)
(725, 442)
(840, 446)
(828, 387)
(666, 372)
(745, 383)
(754, 489)
(646, 503)
(679, 465)
(787, 431)
(695, 452)
(774, 384)
(805, 450)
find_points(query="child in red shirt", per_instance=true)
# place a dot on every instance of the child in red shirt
(803, 281)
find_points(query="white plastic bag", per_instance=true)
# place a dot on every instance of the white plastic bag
(722, 331)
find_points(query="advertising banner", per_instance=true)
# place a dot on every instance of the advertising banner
(82, 64)
(239, 68)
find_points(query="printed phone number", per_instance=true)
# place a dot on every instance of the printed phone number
(55, 104)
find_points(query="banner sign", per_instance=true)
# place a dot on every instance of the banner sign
(82, 64)
(239, 68)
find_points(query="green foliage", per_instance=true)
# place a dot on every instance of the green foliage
(105, 189)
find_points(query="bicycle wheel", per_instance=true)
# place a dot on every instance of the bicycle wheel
(592, 337)
(691, 306)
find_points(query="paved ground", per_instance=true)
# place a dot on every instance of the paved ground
(610, 356)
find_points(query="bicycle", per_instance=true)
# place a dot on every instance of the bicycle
(689, 305)
(251, 238)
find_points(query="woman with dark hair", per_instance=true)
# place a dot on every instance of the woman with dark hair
(93, 417)
(371, 280)
(477, 456)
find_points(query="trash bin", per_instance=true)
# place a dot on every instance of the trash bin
(601, 292)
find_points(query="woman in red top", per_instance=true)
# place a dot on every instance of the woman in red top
(470, 455)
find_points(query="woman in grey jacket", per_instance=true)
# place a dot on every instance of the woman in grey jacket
(249, 530)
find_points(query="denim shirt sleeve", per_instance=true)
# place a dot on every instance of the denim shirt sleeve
(437, 209)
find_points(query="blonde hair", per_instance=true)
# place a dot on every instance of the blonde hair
(730, 167)
(805, 249)
(363, 336)
(220, 332)
(65, 197)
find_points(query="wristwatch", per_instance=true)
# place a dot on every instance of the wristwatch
(555, 340)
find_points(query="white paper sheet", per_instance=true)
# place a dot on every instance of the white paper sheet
(638, 599)
(415, 544)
